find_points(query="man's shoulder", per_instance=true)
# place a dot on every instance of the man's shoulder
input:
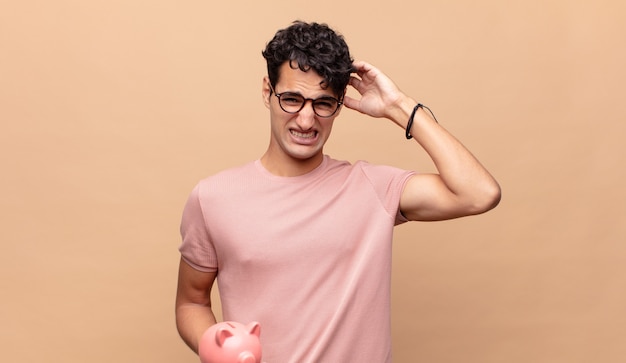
(332, 163)
(229, 173)
(360, 165)
(225, 181)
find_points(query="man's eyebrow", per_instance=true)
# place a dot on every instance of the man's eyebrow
(308, 98)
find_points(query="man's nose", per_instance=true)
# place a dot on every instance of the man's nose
(306, 116)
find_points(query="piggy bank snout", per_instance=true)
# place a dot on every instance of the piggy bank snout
(247, 357)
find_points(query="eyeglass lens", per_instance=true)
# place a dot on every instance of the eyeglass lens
(293, 102)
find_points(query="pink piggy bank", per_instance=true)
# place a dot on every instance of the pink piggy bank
(231, 342)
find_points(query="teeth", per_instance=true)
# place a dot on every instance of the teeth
(306, 135)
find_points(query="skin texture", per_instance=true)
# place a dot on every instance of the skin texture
(296, 140)
(461, 186)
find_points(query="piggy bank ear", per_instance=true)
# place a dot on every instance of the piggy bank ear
(254, 328)
(221, 335)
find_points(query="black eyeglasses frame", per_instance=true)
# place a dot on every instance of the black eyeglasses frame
(305, 100)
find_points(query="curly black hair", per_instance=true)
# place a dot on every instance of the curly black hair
(311, 46)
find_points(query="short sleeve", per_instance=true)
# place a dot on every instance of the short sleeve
(196, 247)
(388, 183)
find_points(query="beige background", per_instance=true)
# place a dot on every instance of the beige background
(112, 110)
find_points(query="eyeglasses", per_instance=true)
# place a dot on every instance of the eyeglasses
(291, 102)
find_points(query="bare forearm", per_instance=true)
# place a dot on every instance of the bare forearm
(462, 185)
(459, 169)
(192, 320)
(463, 175)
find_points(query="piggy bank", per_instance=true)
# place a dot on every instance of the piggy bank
(231, 342)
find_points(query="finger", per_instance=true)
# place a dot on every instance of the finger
(362, 67)
(355, 82)
(359, 64)
(351, 103)
(359, 67)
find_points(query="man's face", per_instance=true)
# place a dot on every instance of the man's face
(298, 136)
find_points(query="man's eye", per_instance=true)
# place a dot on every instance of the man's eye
(329, 104)
(291, 99)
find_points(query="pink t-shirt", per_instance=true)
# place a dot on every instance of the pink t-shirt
(308, 257)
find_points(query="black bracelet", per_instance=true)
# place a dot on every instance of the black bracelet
(410, 123)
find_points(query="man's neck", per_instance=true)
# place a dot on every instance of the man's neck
(290, 167)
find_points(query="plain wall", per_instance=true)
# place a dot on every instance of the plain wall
(111, 111)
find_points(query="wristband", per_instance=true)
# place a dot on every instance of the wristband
(410, 123)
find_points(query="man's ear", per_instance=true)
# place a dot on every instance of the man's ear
(266, 92)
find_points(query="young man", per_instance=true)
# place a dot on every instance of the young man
(301, 242)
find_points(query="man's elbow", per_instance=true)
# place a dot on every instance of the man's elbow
(488, 198)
